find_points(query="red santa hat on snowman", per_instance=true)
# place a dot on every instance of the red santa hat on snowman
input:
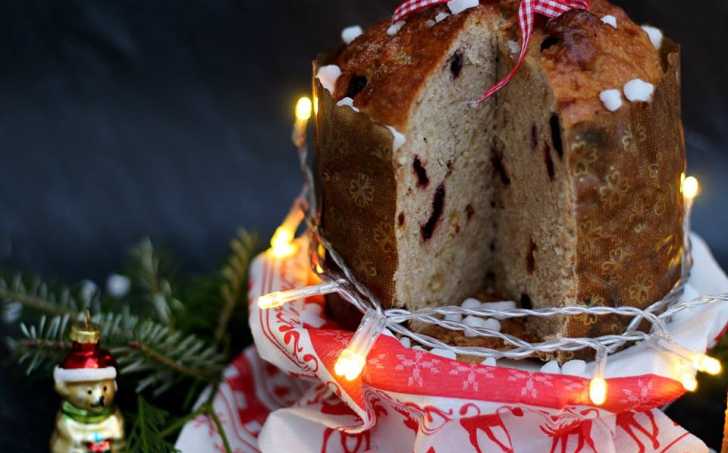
(86, 362)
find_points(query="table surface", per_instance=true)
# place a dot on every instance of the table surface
(121, 120)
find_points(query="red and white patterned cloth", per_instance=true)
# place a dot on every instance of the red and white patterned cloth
(281, 395)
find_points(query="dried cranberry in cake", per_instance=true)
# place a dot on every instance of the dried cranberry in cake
(555, 125)
(421, 173)
(526, 301)
(534, 137)
(531, 257)
(356, 85)
(438, 206)
(496, 159)
(469, 211)
(456, 64)
(400, 219)
(549, 161)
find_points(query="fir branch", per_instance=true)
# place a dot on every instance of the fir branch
(147, 275)
(159, 355)
(38, 297)
(235, 275)
(145, 434)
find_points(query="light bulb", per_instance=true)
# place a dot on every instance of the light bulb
(689, 382)
(303, 109)
(351, 361)
(350, 364)
(282, 242)
(708, 364)
(690, 187)
(271, 300)
(598, 390)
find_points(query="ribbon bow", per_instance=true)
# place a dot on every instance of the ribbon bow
(526, 16)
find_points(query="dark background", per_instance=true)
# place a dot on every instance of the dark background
(171, 119)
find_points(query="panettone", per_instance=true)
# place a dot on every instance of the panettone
(562, 189)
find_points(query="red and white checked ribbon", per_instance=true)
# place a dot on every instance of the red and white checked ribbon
(526, 16)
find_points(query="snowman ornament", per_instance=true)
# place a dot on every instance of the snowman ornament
(88, 421)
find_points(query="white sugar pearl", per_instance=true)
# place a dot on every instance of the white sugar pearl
(395, 28)
(88, 290)
(446, 353)
(470, 303)
(440, 17)
(347, 102)
(455, 317)
(398, 139)
(490, 361)
(654, 34)
(612, 99)
(551, 367)
(610, 20)
(503, 305)
(474, 321)
(118, 285)
(418, 348)
(638, 90)
(458, 6)
(328, 75)
(349, 34)
(406, 342)
(574, 368)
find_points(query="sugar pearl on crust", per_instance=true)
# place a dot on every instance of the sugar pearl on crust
(610, 20)
(440, 17)
(395, 28)
(328, 75)
(455, 317)
(612, 99)
(349, 34)
(638, 90)
(458, 6)
(348, 102)
(406, 342)
(654, 34)
(398, 139)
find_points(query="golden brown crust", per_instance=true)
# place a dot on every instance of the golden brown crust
(396, 67)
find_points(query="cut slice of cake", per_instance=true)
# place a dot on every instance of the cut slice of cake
(562, 189)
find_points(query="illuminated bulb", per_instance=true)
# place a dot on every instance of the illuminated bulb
(282, 241)
(303, 109)
(708, 364)
(349, 365)
(689, 382)
(690, 187)
(278, 298)
(351, 361)
(598, 390)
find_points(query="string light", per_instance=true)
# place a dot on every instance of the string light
(279, 298)
(689, 382)
(281, 243)
(351, 361)
(598, 385)
(302, 111)
(690, 187)
(708, 364)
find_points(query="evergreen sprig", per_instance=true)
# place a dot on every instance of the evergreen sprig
(146, 427)
(164, 332)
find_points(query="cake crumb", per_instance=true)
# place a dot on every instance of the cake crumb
(458, 6)
(610, 20)
(349, 34)
(395, 28)
(637, 90)
(328, 75)
(612, 99)
(654, 34)
(348, 102)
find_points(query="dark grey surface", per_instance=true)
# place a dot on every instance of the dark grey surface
(171, 119)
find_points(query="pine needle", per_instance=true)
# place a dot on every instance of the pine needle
(235, 274)
(145, 433)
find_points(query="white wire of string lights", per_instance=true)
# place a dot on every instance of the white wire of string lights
(352, 360)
